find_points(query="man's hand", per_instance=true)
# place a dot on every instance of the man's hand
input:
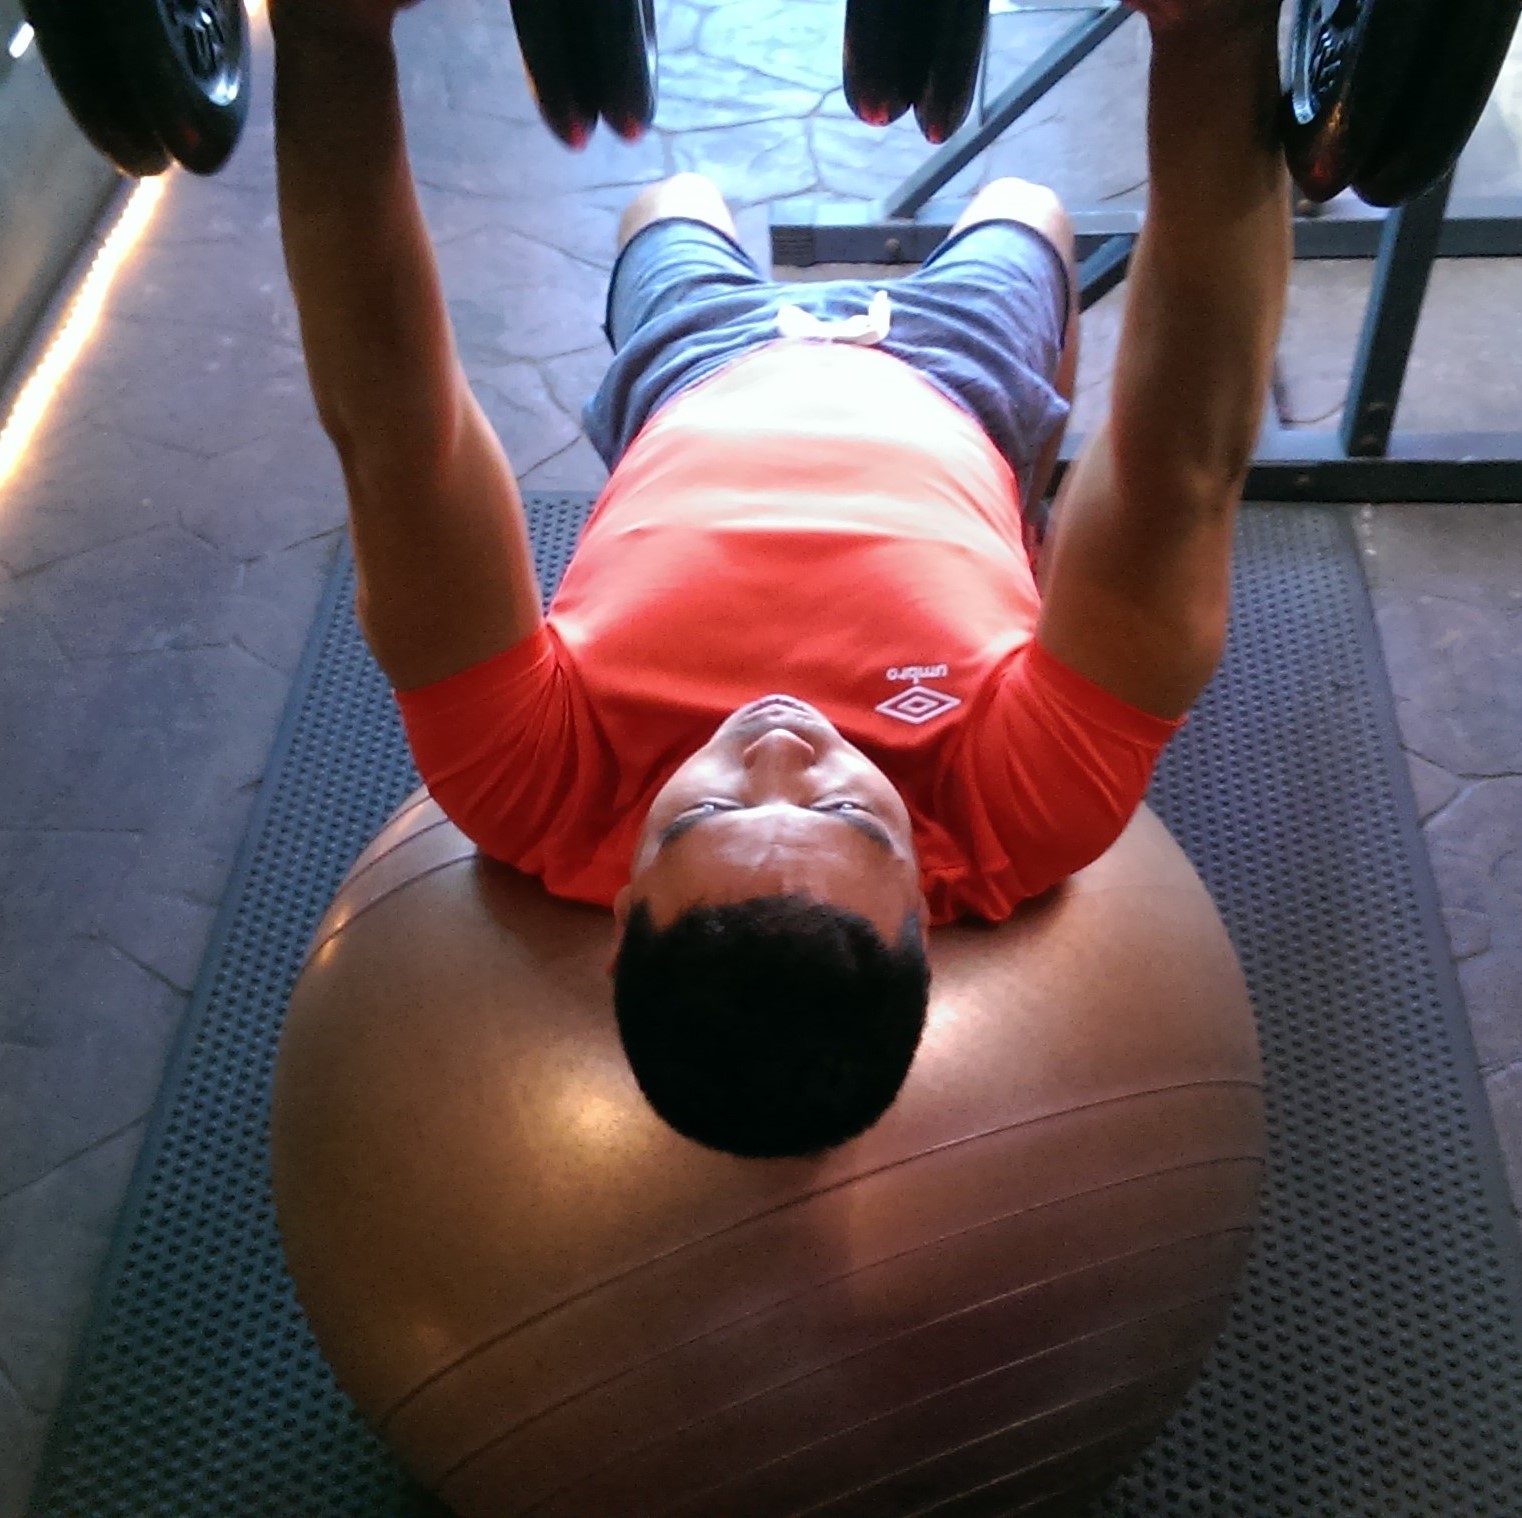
(1223, 15)
(348, 17)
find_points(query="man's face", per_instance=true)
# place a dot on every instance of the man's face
(777, 803)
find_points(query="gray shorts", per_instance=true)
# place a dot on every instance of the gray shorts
(982, 319)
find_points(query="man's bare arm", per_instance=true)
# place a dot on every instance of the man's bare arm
(445, 570)
(1137, 578)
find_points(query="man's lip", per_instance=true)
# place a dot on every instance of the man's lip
(772, 712)
(779, 702)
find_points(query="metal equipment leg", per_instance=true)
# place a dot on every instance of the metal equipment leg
(1104, 270)
(1364, 460)
(1407, 250)
(1050, 69)
(888, 233)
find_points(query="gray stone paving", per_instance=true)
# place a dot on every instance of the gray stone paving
(1448, 600)
(162, 551)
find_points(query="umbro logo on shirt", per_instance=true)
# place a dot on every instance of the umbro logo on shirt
(920, 703)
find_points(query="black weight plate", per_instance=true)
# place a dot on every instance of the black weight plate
(622, 58)
(189, 64)
(886, 60)
(1464, 43)
(549, 35)
(78, 47)
(958, 31)
(1347, 66)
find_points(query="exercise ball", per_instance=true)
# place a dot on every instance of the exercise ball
(549, 1302)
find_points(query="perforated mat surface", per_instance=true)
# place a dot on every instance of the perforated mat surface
(1374, 1364)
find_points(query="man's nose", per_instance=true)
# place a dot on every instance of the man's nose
(778, 756)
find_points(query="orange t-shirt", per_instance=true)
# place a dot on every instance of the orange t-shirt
(817, 519)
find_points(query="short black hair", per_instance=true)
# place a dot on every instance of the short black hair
(778, 1026)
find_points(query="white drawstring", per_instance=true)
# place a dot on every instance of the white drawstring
(872, 328)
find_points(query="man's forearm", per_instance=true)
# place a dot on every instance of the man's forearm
(1208, 279)
(374, 324)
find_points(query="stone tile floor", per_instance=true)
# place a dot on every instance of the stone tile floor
(162, 549)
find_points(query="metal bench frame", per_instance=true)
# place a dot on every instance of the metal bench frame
(1366, 459)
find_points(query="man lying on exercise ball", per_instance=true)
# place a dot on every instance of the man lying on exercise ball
(815, 490)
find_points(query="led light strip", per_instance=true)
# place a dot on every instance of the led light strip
(80, 320)
(82, 315)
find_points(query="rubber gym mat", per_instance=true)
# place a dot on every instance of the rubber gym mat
(1374, 1363)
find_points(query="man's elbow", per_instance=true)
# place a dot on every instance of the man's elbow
(1200, 461)
(1201, 482)
(383, 436)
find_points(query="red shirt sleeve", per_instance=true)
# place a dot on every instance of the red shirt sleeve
(496, 745)
(1055, 770)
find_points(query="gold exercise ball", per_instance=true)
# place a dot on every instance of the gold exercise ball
(548, 1301)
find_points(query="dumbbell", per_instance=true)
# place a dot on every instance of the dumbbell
(587, 59)
(920, 53)
(1381, 95)
(150, 81)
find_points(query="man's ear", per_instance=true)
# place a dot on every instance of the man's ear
(620, 919)
(922, 915)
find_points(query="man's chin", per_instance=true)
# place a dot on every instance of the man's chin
(770, 712)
